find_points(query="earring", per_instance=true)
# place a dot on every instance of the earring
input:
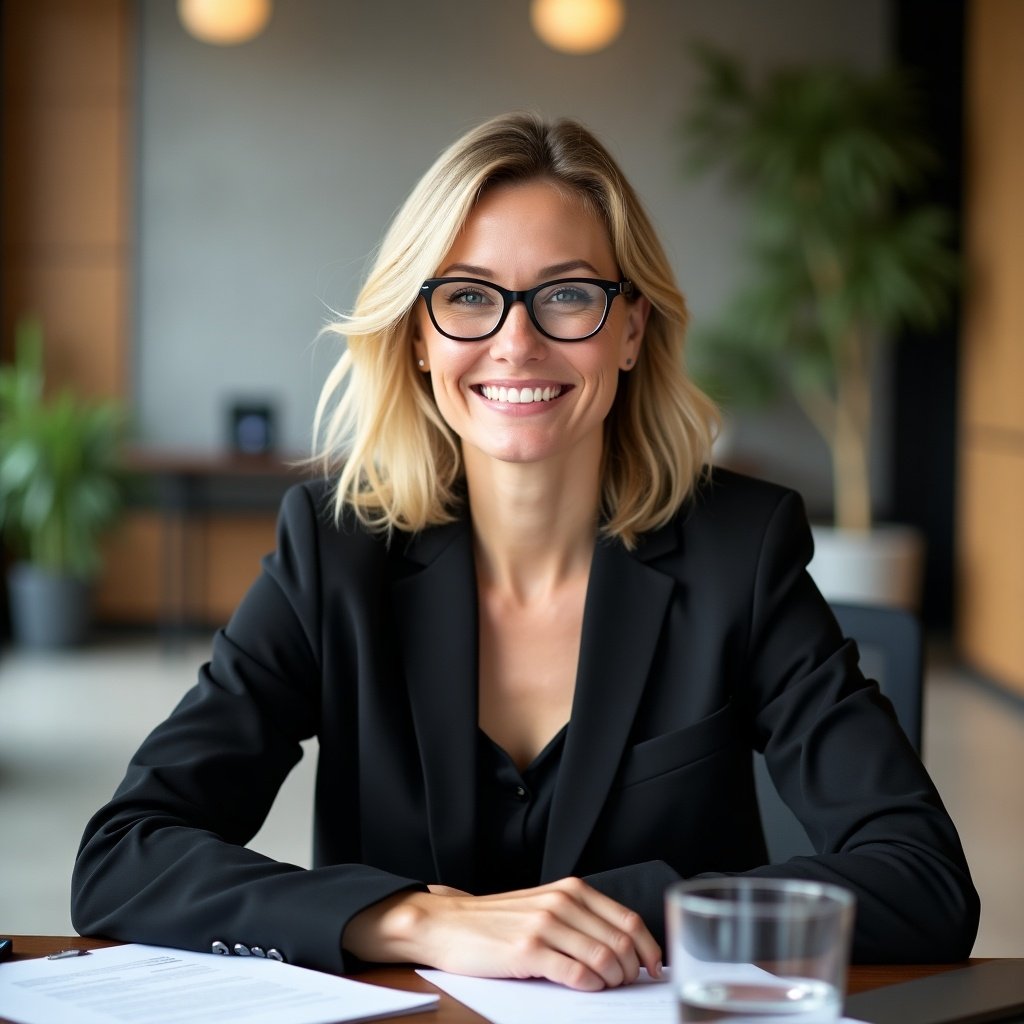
(421, 364)
(629, 363)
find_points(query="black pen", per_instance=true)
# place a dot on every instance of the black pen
(6, 948)
(63, 954)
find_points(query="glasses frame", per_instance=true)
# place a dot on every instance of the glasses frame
(510, 298)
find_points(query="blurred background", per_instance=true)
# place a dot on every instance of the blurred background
(181, 217)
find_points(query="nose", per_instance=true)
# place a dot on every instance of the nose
(518, 341)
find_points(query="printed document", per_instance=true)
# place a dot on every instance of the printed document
(137, 984)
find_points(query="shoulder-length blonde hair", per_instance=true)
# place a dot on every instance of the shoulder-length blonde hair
(398, 464)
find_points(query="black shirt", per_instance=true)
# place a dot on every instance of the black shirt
(513, 814)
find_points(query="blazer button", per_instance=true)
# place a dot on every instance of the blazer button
(241, 950)
(274, 954)
(257, 951)
(220, 948)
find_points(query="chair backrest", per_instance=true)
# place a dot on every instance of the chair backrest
(891, 651)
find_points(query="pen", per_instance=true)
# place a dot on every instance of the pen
(63, 954)
(6, 948)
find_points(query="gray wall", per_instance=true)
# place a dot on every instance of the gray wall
(267, 173)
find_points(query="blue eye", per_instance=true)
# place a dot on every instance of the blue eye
(568, 294)
(469, 297)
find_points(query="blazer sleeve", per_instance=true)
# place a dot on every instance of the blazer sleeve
(165, 861)
(842, 763)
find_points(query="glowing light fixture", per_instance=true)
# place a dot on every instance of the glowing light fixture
(577, 26)
(224, 22)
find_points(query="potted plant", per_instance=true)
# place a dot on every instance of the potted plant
(841, 257)
(59, 489)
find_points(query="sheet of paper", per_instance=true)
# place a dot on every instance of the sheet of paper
(528, 1002)
(531, 1002)
(137, 984)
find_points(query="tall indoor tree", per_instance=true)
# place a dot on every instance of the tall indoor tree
(841, 255)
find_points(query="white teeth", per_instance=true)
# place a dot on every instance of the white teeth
(520, 396)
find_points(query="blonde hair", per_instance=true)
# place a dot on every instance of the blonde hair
(397, 463)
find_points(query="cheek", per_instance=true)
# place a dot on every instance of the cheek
(449, 363)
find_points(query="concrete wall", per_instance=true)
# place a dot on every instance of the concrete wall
(267, 173)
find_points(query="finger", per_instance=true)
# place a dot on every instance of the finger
(572, 928)
(558, 955)
(564, 970)
(622, 921)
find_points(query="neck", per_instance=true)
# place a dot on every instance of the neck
(534, 525)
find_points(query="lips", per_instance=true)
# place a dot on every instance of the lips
(518, 395)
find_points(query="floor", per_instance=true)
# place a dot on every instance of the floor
(69, 723)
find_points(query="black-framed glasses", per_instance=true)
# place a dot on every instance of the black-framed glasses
(569, 309)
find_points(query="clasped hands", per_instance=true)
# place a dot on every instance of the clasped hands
(565, 931)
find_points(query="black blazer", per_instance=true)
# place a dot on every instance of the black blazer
(706, 641)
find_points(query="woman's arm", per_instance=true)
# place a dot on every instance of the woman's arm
(831, 742)
(165, 861)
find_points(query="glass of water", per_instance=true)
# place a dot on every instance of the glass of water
(742, 948)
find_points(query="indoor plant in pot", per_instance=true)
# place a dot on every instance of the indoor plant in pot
(840, 257)
(59, 489)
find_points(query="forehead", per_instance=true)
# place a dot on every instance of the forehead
(528, 226)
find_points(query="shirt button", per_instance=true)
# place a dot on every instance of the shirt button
(521, 793)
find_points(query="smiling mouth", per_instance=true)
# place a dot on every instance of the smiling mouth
(518, 396)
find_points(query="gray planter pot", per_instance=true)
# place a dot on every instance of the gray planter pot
(47, 610)
(884, 566)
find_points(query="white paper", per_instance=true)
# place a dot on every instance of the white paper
(136, 984)
(538, 1002)
(503, 1001)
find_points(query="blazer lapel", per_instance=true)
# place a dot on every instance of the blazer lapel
(625, 607)
(436, 608)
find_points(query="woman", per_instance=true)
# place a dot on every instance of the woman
(536, 638)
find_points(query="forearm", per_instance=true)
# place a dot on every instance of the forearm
(183, 887)
(391, 930)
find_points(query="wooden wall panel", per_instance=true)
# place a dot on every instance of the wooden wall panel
(65, 49)
(67, 237)
(81, 305)
(990, 605)
(990, 536)
(993, 352)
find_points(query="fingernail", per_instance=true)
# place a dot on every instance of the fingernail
(657, 969)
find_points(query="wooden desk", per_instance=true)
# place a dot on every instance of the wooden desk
(450, 1011)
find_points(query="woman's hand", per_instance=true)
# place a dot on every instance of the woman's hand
(566, 931)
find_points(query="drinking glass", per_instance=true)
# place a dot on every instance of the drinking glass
(742, 948)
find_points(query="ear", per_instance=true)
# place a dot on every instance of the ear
(636, 324)
(419, 349)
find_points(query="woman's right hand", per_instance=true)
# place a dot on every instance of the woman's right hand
(565, 931)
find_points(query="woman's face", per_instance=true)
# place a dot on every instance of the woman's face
(520, 236)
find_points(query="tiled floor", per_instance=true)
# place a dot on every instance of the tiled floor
(69, 723)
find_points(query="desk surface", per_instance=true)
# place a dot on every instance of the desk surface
(450, 1011)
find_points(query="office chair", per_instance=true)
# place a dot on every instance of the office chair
(891, 651)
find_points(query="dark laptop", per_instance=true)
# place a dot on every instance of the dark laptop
(978, 993)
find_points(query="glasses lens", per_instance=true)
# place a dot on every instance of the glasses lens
(466, 309)
(570, 309)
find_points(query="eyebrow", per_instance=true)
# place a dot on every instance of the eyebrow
(555, 270)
